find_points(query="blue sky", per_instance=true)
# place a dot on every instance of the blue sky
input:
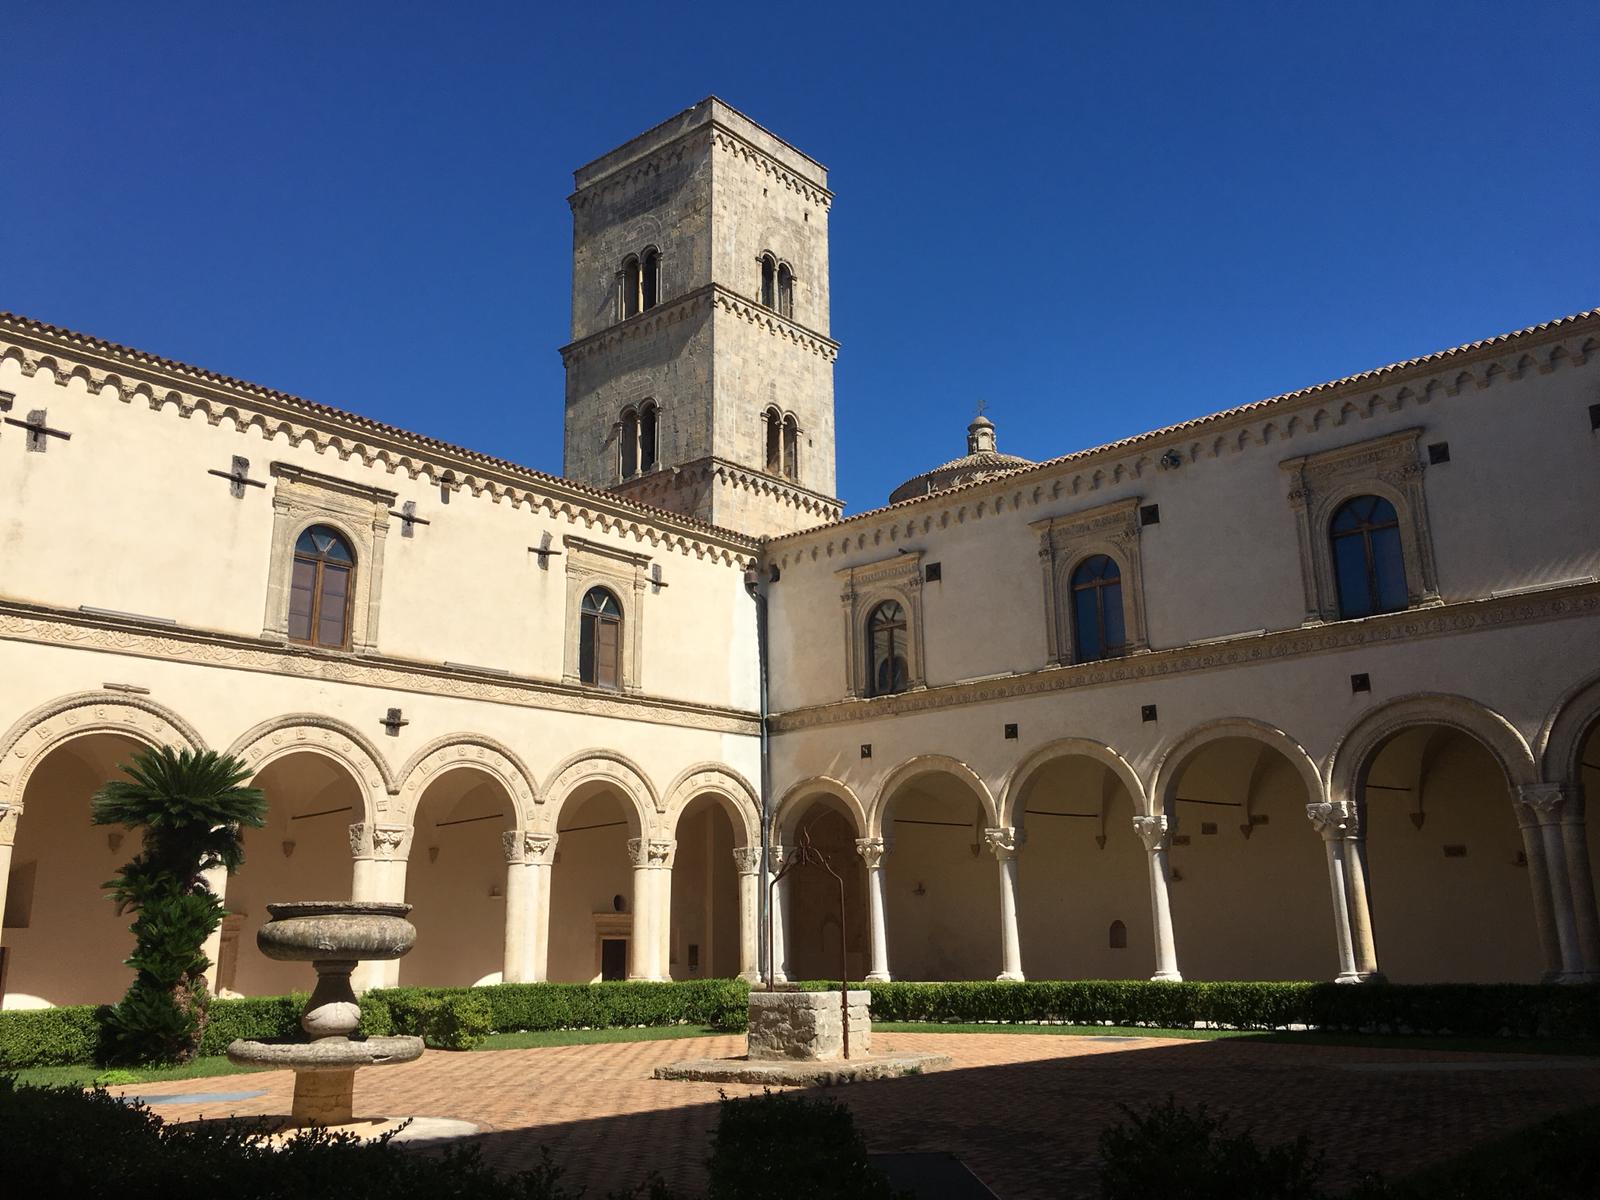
(1101, 219)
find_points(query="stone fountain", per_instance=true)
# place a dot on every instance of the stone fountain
(333, 936)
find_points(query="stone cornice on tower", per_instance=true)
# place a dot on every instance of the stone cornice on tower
(711, 295)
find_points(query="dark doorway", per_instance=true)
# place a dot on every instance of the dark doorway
(613, 958)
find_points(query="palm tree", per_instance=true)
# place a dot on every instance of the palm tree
(190, 808)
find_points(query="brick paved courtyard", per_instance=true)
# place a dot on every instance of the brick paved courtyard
(1023, 1111)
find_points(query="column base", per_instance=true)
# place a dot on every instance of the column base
(1575, 977)
(1166, 977)
(1348, 977)
(878, 977)
(750, 976)
(1011, 977)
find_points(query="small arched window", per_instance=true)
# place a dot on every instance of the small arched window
(886, 642)
(647, 437)
(629, 284)
(1097, 609)
(1368, 564)
(629, 439)
(600, 639)
(785, 290)
(319, 593)
(791, 448)
(650, 279)
(1119, 936)
(774, 433)
(769, 281)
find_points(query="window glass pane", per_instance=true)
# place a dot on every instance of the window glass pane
(630, 445)
(608, 636)
(647, 439)
(586, 647)
(300, 600)
(331, 605)
(1350, 572)
(1111, 611)
(1390, 566)
(1086, 625)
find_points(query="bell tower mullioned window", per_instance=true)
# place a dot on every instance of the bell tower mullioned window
(700, 282)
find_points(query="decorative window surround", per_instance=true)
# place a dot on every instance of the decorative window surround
(1387, 466)
(622, 573)
(1064, 542)
(898, 577)
(305, 498)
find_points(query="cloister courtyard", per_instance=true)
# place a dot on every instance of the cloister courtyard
(1023, 1111)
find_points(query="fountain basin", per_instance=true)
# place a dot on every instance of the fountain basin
(348, 930)
(327, 1054)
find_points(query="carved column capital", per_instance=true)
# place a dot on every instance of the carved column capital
(9, 815)
(391, 843)
(872, 851)
(775, 852)
(747, 860)
(1153, 831)
(650, 852)
(1334, 819)
(1547, 801)
(539, 848)
(1004, 841)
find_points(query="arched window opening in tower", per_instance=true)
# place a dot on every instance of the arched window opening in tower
(774, 431)
(319, 592)
(1368, 564)
(650, 283)
(785, 290)
(791, 448)
(629, 284)
(886, 639)
(600, 639)
(769, 281)
(647, 437)
(629, 447)
(1097, 609)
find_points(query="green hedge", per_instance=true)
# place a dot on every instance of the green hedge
(448, 1018)
(1461, 1010)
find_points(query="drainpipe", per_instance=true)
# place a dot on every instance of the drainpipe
(756, 586)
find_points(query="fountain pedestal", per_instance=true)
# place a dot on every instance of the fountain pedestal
(333, 936)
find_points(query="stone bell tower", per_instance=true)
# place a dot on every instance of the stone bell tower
(700, 371)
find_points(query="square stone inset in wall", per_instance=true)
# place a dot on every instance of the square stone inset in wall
(808, 1025)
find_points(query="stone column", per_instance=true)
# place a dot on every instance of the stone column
(216, 881)
(1360, 908)
(1580, 874)
(1334, 820)
(10, 814)
(1539, 888)
(1153, 831)
(380, 853)
(779, 950)
(1005, 842)
(652, 873)
(1546, 801)
(538, 854)
(747, 862)
(518, 930)
(663, 855)
(872, 851)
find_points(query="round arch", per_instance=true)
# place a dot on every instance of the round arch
(1353, 752)
(793, 801)
(737, 797)
(1164, 782)
(471, 751)
(27, 743)
(1559, 746)
(1017, 781)
(604, 766)
(325, 736)
(929, 764)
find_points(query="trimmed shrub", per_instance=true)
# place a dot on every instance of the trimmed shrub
(258, 1018)
(1169, 1150)
(49, 1037)
(788, 1146)
(518, 1007)
(453, 1021)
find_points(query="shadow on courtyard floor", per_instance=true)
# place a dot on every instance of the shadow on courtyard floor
(1029, 1128)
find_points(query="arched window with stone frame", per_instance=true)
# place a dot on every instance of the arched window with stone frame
(630, 282)
(785, 290)
(791, 447)
(628, 444)
(649, 279)
(648, 434)
(1369, 566)
(888, 649)
(772, 432)
(769, 281)
(321, 588)
(600, 639)
(1098, 627)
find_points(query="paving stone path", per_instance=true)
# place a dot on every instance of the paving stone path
(1022, 1111)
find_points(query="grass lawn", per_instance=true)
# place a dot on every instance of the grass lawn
(590, 1037)
(83, 1076)
(1379, 1041)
